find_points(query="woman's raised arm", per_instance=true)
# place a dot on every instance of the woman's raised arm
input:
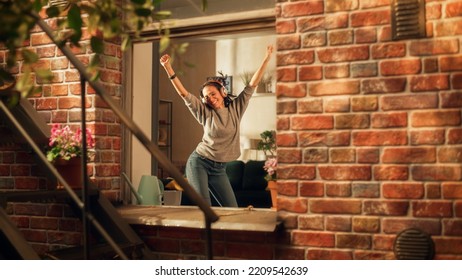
(256, 78)
(165, 62)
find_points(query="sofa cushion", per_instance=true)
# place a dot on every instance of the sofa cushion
(235, 172)
(254, 176)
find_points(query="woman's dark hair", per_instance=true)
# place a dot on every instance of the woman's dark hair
(218, 83)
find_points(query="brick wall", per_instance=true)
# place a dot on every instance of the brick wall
(369, 129)
(49, 226)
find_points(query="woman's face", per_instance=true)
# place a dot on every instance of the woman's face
(213, 97)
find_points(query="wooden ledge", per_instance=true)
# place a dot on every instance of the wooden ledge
(243, 219)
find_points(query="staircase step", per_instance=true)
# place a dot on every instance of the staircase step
(96, 252)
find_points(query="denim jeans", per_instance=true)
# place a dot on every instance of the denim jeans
(203, 173)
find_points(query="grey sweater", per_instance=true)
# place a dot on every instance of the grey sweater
(221, 139)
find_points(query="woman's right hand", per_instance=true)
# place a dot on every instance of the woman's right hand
(164, 60)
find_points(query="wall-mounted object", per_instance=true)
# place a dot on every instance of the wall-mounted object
(408, 19)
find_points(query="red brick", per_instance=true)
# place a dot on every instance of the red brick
(409, 155)
(400, 67)
(327, 22)
(314, 254)
(428, 137)
(310, 106)
(368, 155)
(450, 154)
(285, 26)
(288, 42)
(391, 172)
(453, 9)
(450, 63)
(370, 18)
(336, 71)
(434, 47)
(289, 155)
(403, 190)
(429, 83)
(430, 65)
(291, 90)
(385, 208)
(282, 123)
(387, 85)
(335, 206)
(315, 155)
(286, 139)
(335, 104)
(383, 242)
(294, 205)
(452, 190)
(373, 255)
(286, 74)
(380, 138)
(308, 73)
(388, 50)
(342, 54)
(406, 102)
(355, 241)
(366, 224)
(452, 227)
(455, 136)
(44, 223)
(287, 188)
(351, 172)
(313, 122)
(433, 11)
(448, 28)
(286, 107)
(432, 209)
(340, 37)
(295, 9)
(336, 6)
(387, 120)
(311, 222)
(295, 57)
(365, 35)
(352, 121)
(364, 103)
(312, 189)
(436, 173)
(302, 172)
(341, 155)
(338, 189)
(312, 40)
(338, 223)
(290, 254)
(396, 225)
(313, 239)
(447, 245)
(334, 88)
(451, 99)
(433, 190)
(436, 118)
(35, 235)
(335, 138)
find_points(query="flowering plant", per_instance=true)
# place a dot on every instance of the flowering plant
(67, 144)
(270, 167)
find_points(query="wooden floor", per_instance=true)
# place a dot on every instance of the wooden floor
(252, 219)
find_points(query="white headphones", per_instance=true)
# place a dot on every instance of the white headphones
(222, 88)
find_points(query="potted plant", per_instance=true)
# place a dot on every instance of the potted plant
(65, 152)
(267, 143)
(270, 167)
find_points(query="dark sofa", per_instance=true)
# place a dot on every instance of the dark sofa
(249, 184)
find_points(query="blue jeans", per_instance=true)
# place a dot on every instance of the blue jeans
(203, 173)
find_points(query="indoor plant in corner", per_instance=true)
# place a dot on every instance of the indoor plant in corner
(268, 145)
(270, 167)
(66, 151)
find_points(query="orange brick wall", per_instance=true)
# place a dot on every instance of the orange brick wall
(369, 129)
(50, 226)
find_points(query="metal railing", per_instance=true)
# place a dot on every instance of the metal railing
(209, 214)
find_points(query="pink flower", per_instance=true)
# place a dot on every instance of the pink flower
(270, 167)
(67, 144)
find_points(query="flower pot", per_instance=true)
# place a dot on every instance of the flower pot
(273, 188)
(71, 171)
